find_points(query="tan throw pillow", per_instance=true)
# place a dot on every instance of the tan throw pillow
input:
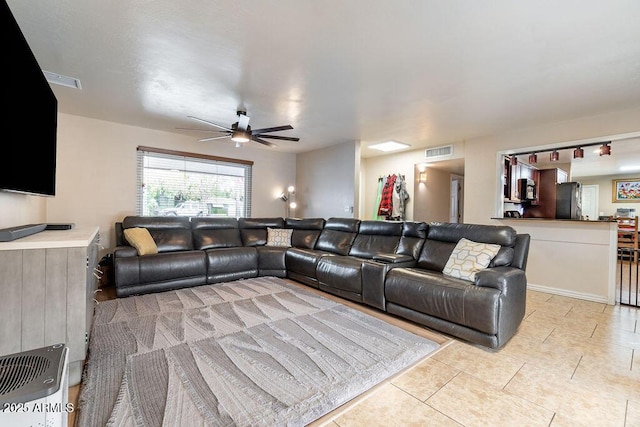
(141, 239)
(469, 257)
(279, 236)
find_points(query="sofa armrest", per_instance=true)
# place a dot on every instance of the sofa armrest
(501, 278)
(124, 252)
(392, 258)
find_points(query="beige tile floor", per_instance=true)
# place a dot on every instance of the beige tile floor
(572, 363)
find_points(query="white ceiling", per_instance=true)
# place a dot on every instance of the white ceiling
(423, 72)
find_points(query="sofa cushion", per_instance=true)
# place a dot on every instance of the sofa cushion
(443, 237)
(169, 233)
(444, 297)
(231, 264)
(469, 257)
(141, 239)
(162, 268)
(304, 261)
(341, 272)
(212, 233)
(279, 236)
(413, 235)
(253, 231)
(338, 235)
(376, 237)
(305, 231)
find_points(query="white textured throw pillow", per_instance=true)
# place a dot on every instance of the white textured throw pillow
(469, 257)
(279, 236)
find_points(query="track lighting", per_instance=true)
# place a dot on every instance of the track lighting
(554, 155)
(605, 149)
(578, 153)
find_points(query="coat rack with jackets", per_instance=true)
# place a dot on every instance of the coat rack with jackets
(392, 197)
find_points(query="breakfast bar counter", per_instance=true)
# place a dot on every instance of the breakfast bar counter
(574, 258)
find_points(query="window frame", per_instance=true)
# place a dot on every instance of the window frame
(143, 151)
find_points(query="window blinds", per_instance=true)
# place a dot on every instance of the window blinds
(174, 183)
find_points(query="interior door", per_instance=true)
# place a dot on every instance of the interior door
(589, 201)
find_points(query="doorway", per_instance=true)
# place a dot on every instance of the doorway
(589, 202)
(457, 191)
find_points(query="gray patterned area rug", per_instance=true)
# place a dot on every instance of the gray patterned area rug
(248, 353)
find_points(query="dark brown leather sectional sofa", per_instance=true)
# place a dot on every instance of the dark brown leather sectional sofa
(392, 266)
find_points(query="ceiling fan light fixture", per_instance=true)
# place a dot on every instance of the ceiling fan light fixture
(240, 136)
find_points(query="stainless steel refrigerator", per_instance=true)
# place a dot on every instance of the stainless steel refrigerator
(568, 200)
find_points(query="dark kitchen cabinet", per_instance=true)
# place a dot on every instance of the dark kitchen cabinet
(546, 186)
(511, 174)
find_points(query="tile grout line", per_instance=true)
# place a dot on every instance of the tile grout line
(574, 371)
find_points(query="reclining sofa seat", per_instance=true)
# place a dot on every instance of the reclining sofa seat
(254, 234)
(376, 248)
(335, 238)
(176, 265)
(227, 258)
(487, 311)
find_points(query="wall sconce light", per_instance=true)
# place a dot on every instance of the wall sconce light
(533, 158)
(554, 156)
(605, 149)
(578, 153)
(422, 177)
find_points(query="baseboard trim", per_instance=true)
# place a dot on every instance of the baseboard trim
(566, 293)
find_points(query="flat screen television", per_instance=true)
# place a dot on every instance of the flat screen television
(29, 117)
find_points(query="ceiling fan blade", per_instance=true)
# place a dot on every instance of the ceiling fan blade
(273, 129)
(262, 141)
(209, 123)
(283, 138)
(203, 130)
(243, 121)
(215, 137)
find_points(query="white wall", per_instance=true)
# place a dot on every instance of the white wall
(326, 182)
(605, 193)
(20, 209)
(97, 171)
(559, 251)
(481, 163)
(400, 163)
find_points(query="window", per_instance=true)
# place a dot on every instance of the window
(174, 183)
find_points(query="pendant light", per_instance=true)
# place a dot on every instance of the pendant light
(554, 156)
(533, 158)
(605, 149)
(578, 153)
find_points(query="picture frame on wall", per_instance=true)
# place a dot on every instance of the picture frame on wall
(626, 190)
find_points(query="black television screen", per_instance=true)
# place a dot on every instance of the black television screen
(29, 117)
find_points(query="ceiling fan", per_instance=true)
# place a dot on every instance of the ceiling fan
(240, 132)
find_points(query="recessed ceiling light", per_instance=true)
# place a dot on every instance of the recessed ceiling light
(61, 80)
(630, 168)
(389, 146)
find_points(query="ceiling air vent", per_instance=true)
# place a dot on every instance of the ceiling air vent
(437, 152)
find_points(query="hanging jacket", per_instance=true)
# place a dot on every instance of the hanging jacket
(386, 200)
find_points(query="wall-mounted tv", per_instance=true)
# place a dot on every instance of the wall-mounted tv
(29, 117)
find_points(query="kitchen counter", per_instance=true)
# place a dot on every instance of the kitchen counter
(586, 221)
(574, 258)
